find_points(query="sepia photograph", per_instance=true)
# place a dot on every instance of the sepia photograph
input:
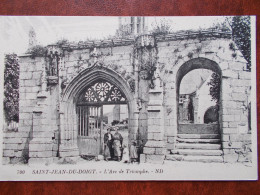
(128, 98)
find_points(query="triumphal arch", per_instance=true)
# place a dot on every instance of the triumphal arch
(63, 92)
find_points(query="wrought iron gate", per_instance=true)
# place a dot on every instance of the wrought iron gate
(90, 115)
(90, 128)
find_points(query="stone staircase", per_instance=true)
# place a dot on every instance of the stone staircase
(197, 148)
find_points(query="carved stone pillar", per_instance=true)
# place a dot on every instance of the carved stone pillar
(150, 97)
(68, 143)
(41, 146)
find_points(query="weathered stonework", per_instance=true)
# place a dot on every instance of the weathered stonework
(148, 71)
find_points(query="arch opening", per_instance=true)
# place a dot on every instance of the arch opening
(195, 94)
(89, 99)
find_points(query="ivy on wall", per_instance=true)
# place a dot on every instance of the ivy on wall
(11, 88)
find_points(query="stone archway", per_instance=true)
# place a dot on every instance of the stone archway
(194, 141)
(196, 63)
(68, 119)
(91, 105)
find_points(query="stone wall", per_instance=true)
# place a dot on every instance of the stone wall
(117, 58)
(148, 70)
(235, 91)
(198, 128)
(16, 143)
(16, 147)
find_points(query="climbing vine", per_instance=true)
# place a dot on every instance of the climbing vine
(214, 84)
(11, 88)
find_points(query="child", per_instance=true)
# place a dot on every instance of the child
(125, 158)
(133, 152)
(140, 149)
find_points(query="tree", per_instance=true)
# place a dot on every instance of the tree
(214, 89)
(240, 26)
(11, 88)
(241, 32)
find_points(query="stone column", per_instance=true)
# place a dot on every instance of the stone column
(67, 120)
(150, 101)
(68, 147)
(41, 145)
(155, 147)
(236, 136)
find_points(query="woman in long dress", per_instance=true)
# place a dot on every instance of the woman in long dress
(118, 140)
(133, 152)
(108, 142)
(125, 157)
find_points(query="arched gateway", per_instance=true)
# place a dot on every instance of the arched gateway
(196, 63)
(82, 109)
(147, 71)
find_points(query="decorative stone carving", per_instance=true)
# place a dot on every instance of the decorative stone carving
(52, 80)
(99, 64)
(156, 81)
(94, 54)
(64, 84)
(54, 55)
(132, 84)
(101, 92)
(146, 54)
(139, 104)
(145, 41)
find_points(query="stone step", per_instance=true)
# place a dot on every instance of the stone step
(199, 136)
(198, 146)
(194, 152)
(205, 159)
(198, 140)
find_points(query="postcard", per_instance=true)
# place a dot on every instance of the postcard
(128, 98)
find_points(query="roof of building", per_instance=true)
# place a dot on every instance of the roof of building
(194, 80)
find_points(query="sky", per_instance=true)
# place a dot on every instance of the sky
(14, 30)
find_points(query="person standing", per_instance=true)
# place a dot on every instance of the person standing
(125, 157)
(117, 144)
(191, 110)
(108, 143)
(133, 152)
